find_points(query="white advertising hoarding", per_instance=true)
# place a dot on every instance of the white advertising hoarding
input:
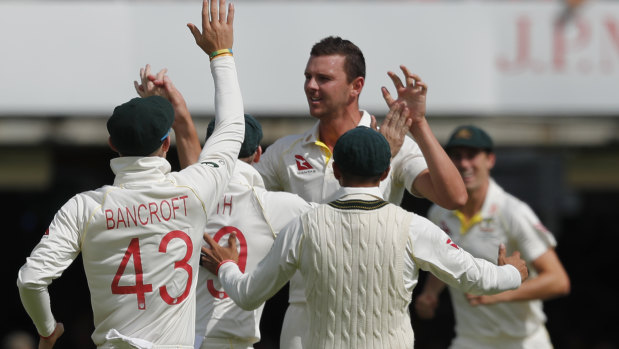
(498, 58)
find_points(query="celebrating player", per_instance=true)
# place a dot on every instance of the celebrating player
(255, 215)
(360, 257)
(512, 319)
(302, 164)
(140, 238)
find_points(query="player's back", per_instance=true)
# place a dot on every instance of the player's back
(138, 245)
(255, 215)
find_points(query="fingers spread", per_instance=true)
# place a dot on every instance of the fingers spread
(396, 80)
(209, 240)
(222, 11)
(387, 96)
(230, 13)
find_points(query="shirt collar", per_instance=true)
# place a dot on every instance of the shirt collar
(136, 169)
(360, 193)
(488, 208)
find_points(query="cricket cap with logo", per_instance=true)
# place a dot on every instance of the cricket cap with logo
(362, 151)
(253, 135)
(470, 136)
(139, 126)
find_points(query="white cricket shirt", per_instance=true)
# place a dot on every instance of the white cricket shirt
(140, 238)
(303, 165)
(503, 219)
(256, 215)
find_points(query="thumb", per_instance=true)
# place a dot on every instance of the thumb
(373, 123)
(194, 31)
(502, 254)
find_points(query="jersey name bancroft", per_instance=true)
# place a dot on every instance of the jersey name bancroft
(145, 213)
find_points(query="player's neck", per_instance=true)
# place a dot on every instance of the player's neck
(475, 201)
(332, 127)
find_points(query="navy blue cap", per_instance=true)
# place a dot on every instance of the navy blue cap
(139, 127)
(362, 151)
(253, 135)
(470, 136)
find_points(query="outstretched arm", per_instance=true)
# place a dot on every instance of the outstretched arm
(551, 281)
(440, 183)
(187, 142)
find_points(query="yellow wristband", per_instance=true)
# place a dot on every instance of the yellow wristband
(218, 52)
(221, 55)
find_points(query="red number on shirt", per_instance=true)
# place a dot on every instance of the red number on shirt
(140, 289)
(163, 290)
(242, 257)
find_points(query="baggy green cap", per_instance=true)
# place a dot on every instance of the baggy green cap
(139, 127)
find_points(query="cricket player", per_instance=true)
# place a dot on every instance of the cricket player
(140, 237)
(360, 257)
(255, 215)
(303, 164)
(491, 217)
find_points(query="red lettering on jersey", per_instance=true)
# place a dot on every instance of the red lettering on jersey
(162, 211)
(153, 211)
(174, 207)
(140, 215)
(184, 203)
(302, 164)
(225, 204)
(121, 218)
(146, 213)
(109, 217)
(449, 242)
(131, 216)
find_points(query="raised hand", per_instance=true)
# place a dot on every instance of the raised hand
(217, 29)
(395, 126)
(151, 85)
(413, 94)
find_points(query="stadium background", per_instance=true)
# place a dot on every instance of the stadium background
(547, 93)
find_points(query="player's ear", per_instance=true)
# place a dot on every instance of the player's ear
(336, 172)
(257, 154)
(491, 160)
(357, 86)
(165, 146)
(385, 174)
(109, 142)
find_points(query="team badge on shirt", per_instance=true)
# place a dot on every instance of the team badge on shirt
(487, 225)
(302, 165)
